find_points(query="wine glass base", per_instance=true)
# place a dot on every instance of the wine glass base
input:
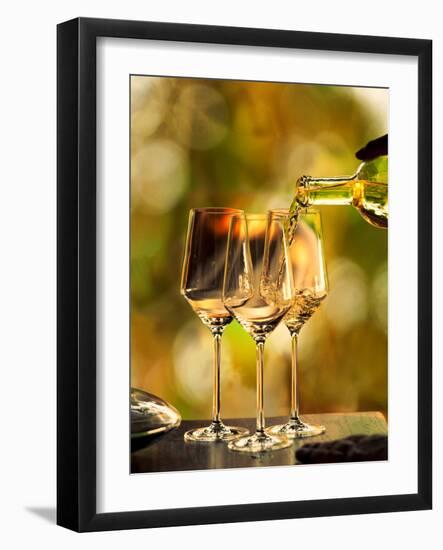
(259, 443)
(216, 431)
(295, 429)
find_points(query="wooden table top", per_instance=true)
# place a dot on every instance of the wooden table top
(169, 452)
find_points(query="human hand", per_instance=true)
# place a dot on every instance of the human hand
(373, 149)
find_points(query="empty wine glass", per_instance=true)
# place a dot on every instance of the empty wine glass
(258, 291)
(202, 287)
(311, 286)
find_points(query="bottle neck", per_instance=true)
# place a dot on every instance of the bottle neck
(317, 191)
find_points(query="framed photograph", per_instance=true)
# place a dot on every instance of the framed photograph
(243, 322)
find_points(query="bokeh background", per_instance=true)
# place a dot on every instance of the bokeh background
(196, 143)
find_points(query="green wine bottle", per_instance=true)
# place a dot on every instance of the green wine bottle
(366, 190)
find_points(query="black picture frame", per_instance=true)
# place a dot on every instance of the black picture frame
(76, 277)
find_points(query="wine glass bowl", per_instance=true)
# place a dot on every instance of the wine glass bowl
(251, 292)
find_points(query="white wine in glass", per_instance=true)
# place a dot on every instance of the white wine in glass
(210, 309)
(202, 287)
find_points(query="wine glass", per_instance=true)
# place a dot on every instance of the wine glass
(258, 291)
(202, 287)
(311, 287)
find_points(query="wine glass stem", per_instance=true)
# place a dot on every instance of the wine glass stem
(216, 378)
(260, 351)
(294, 377)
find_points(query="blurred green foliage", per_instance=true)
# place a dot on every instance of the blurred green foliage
(197, 143)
